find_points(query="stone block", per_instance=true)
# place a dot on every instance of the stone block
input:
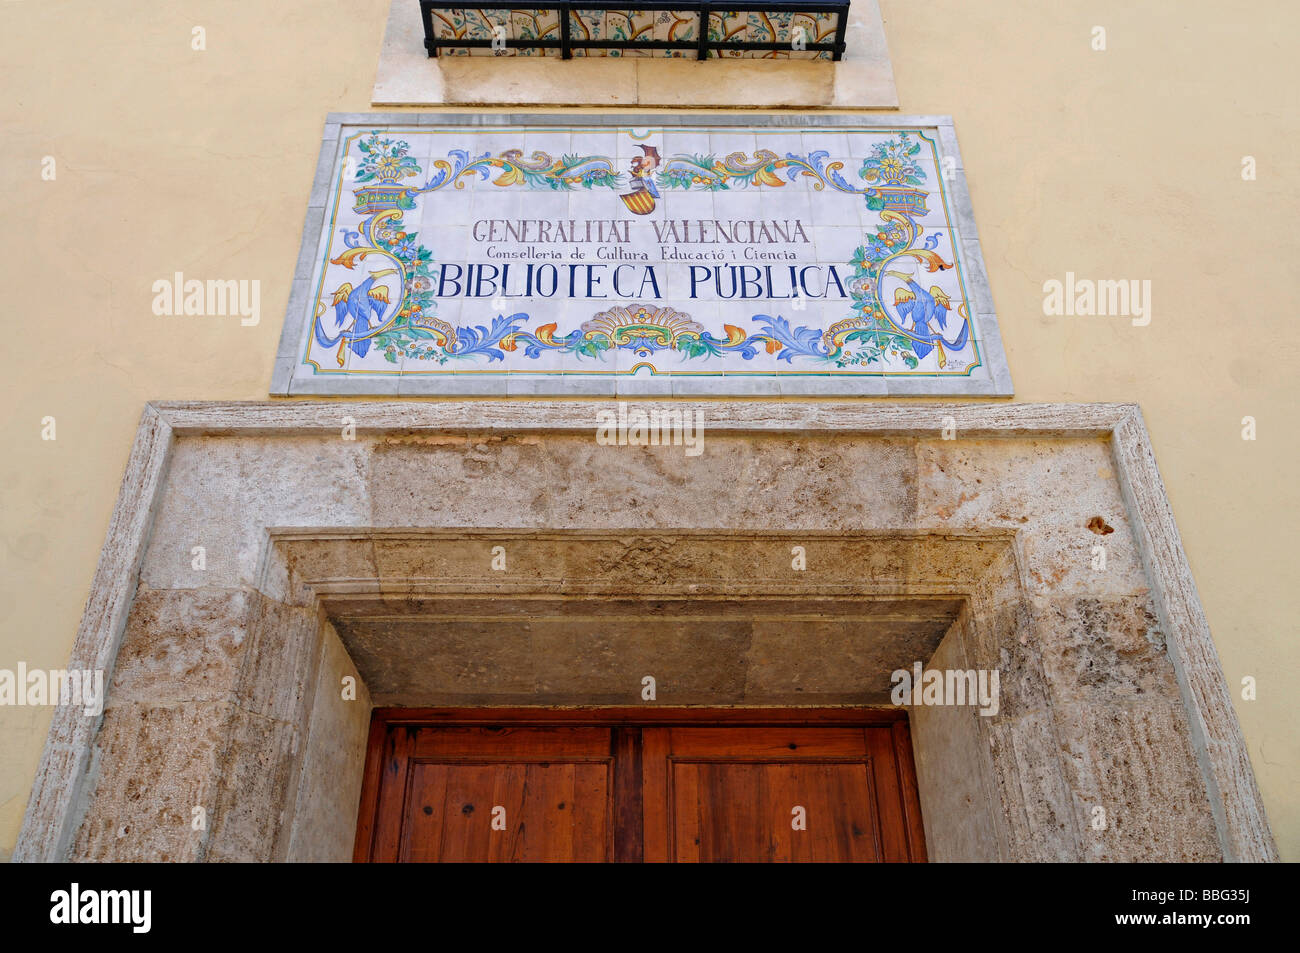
(182, 645)
(154, 766)
(1135, 762)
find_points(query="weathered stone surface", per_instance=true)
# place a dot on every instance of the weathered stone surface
(691, 663)
(295, 481)
(333, 560)
(223, 674)
(413, 565)
(790, 84)
(182, 645)
(1037, 812)
(958, 800)
(576, 483)
(849, 661)
(329, 779)
(1050, 489)
(198, 498)
(1084, 670)
(223, 494)
(409, 659)
(1135, 761)
(155, 765)
(279, 670)
(254, 788)
(1104, 649)
(1024, 687)
(622, 594)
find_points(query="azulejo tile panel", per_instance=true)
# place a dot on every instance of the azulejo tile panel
(524, 25)
(796, 29)
(542, 253)
(633, 31)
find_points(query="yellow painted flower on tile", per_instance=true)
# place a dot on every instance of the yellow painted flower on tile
(891, 169)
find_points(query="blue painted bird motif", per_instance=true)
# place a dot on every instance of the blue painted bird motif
(364, 307)
(921, 307)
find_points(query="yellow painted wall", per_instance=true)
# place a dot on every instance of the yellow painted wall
(1116, 164)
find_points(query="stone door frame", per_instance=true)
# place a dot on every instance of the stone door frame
(60, 789)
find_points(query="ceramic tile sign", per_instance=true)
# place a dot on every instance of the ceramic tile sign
(582, 258)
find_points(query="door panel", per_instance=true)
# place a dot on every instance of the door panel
(730, 794)
(744, 813)
(546, 812)
(691, 791)
(549, 790)
(503, 742)
(778, 743)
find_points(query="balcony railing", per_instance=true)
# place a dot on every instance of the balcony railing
(773, 29)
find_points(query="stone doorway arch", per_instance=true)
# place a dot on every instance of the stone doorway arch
(978, 550)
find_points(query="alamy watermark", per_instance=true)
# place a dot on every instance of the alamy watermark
(213, 298)
(653, 427)
(946, 686)
(38, 687)
(131, 907)
(1084, 297)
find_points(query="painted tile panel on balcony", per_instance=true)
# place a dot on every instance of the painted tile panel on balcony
(602, 31)
(794, 30)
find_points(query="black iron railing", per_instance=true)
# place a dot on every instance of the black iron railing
(777, 28)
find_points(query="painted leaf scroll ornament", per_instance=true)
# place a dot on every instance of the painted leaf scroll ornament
(365, 315)
(914, 324)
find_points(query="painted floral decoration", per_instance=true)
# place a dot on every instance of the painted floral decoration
(892, 163)
(385, 160)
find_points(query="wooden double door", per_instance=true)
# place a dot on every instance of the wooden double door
(617, 785)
